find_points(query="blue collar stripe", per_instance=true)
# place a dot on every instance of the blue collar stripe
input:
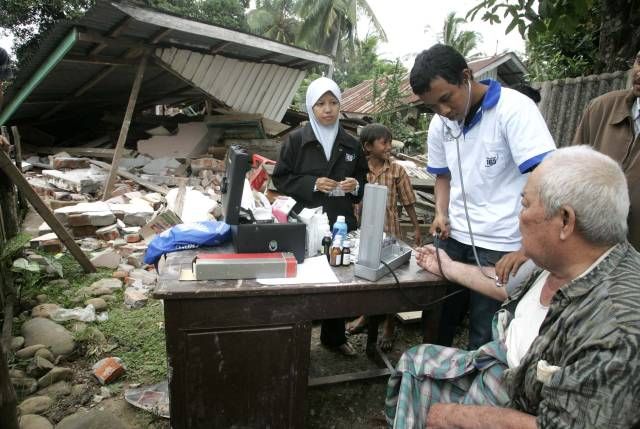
(436, 170)
(490, 99)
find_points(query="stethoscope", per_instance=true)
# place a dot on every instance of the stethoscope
(436, 237)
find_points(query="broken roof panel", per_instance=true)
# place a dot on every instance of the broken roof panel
(96, 72)
(359, 99)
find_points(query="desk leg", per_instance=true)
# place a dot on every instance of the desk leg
(430, 323)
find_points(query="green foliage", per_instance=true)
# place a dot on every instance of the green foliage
(362, 64)
(28, 20)
(570, 38)
(330, 25)
(388, 96)
(275, 19)
(145, 358)
(462, 41)
(13, 246)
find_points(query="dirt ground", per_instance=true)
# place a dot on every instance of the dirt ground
(357, 404)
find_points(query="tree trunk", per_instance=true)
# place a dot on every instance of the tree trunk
(619, 33)
(8, 400)
(334, 49)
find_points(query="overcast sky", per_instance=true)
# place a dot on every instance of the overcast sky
(413, 25)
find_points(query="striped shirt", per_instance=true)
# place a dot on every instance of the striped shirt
(395, 178)
(592, 335)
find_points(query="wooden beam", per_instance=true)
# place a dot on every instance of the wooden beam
(88, 85)
(75, 151)
(160, 35)
(119, 28)
(121, 42)
(105, 61)
(23, 186)
(124, 130)
(151, 186)
(50, 63)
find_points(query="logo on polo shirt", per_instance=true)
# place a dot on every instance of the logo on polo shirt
(491, 161)
(348, 157)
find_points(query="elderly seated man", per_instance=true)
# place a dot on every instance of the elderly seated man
(566, 343)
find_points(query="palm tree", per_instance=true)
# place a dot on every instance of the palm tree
(275, 19)
(462, 41)
(330, 25)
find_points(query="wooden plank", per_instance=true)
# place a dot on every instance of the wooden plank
(126, 122)
(151, 186)
(76, 151)
(352, 376)
(18, 146)
(23, 186)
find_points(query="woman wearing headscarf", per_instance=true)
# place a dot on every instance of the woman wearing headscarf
(321, 165)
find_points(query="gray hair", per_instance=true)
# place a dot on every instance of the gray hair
(593, 185)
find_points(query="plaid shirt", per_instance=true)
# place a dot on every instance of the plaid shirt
(395, 178)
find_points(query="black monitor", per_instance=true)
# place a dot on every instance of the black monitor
(236, 167)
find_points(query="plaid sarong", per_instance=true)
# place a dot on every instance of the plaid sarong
(429, 374)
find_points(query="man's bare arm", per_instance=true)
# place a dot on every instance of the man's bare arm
(457, 416)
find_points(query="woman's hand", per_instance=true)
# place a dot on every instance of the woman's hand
(326, 185)
(349, 184)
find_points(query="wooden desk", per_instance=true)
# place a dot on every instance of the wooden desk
(238, 351)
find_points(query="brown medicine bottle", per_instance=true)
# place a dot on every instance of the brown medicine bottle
(336, 253)
(346, 253)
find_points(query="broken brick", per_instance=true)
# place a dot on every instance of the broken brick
(132, 238)
(107, 233)
(69, 162)
(108, 369)
(134, 298)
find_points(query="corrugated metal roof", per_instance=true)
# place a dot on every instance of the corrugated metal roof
(88, 81)
(564, 100)
(244, 86)
(359, 99)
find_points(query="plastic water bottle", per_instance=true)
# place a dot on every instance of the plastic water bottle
(339, 228)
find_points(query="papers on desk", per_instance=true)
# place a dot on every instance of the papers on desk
(314, 270)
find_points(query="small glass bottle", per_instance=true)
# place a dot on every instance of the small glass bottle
(326, 245)
(336, 253)
(346, 253)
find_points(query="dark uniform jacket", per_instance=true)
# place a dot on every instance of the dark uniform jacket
(302, 161)
(607, 126)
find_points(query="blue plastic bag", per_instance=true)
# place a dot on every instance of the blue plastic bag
(187, 236)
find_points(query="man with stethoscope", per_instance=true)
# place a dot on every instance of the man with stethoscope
(482, 142)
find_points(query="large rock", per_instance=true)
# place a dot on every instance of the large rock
(35, 405)
(56, 390)
(29, 351)
(55, 375)
(44, 310)
(93, 419)
(44, 331)
(32, 421)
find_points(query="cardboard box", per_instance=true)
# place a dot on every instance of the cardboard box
(229, 266)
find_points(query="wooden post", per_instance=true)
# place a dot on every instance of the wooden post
(124, 130)
(8, 200)
(17, 142)
(16, 177)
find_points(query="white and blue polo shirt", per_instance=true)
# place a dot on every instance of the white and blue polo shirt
(504, 140)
